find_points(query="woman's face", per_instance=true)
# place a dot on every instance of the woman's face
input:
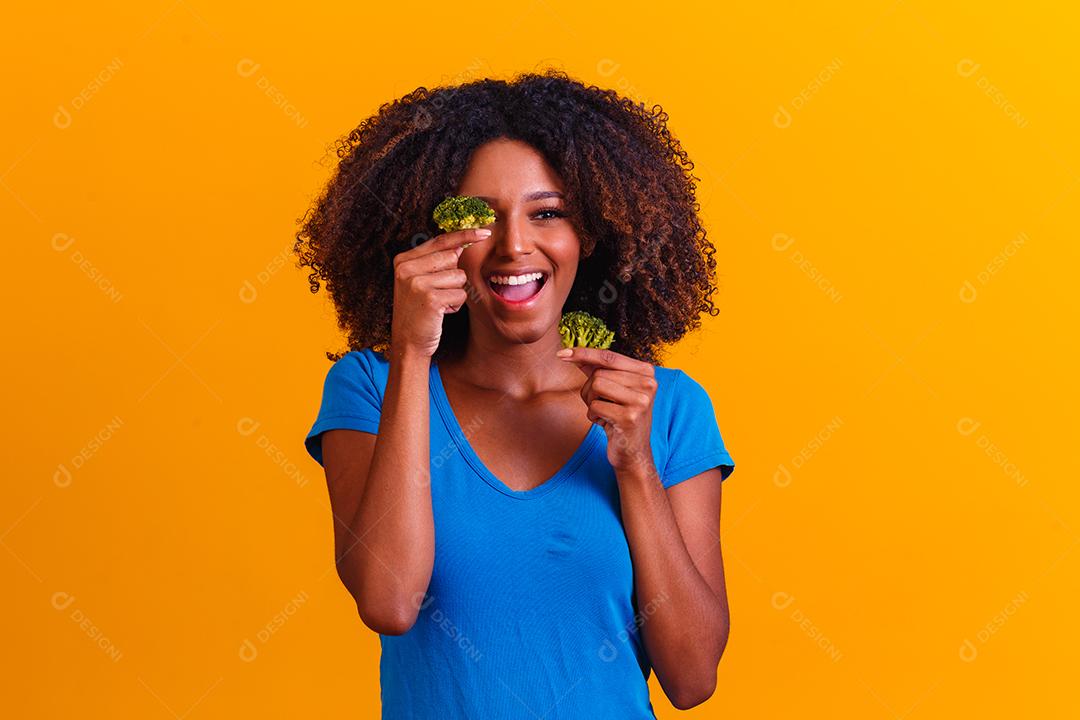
(531, 236)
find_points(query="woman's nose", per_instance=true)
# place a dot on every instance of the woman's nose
(514, 239)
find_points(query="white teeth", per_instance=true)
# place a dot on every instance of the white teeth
(516, 279)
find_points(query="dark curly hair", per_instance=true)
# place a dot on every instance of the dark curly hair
(646, 266)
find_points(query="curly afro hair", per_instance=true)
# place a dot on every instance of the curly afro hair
(646, 266)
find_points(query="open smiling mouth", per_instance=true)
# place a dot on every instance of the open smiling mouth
(517, 289)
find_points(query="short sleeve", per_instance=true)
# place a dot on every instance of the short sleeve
(350, 400)
(694, 441)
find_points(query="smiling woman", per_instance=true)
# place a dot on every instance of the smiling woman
(625, 185)
(504, 508)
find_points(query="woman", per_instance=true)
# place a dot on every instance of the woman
(529, 531)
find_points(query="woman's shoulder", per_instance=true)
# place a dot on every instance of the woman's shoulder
(667, 377)
(665, 374)
(362, 365)
(370, 359)
(676, 388)
(366, 356)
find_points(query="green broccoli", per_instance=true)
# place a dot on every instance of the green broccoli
(580, 329)
(461, 213)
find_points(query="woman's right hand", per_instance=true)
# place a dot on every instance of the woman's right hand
(427, 285)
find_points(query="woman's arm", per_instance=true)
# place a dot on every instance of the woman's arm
(380, 486)
(380, 494)
(678, 578)
(673, 534)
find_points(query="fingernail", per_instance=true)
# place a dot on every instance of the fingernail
(565, 352)
(483, 232)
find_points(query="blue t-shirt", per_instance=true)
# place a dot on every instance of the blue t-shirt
(531, 610)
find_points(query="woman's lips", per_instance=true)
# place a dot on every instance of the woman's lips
(518, 296)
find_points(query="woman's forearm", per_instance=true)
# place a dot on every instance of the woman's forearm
(683, 622)
(393, 526)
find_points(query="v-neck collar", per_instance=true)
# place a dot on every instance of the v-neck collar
(442, 402)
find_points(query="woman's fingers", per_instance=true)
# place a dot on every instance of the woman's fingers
(427, 285)
(645, 383)
(452, 278)
(450, 299)
(429, 263)
(604, 357)
(603, 412)
(623, 378)
(607, 388)
(445, 241)
(439, 253)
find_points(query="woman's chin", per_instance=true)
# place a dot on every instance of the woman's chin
(522, 327)
(521, 331)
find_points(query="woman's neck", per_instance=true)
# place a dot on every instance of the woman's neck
(516, 369)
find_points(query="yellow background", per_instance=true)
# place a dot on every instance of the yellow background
(891, 187)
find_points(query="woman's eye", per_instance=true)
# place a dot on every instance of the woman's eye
(550, 213)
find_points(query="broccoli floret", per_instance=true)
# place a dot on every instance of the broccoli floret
(580, 329)
(461, 213)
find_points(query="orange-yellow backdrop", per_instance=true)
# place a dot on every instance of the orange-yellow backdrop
(892, 188)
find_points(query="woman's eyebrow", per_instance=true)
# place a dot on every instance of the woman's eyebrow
(529, 197)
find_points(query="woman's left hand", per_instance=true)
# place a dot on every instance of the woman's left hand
(619, 394)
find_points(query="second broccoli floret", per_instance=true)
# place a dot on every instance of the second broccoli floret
(580, 329)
